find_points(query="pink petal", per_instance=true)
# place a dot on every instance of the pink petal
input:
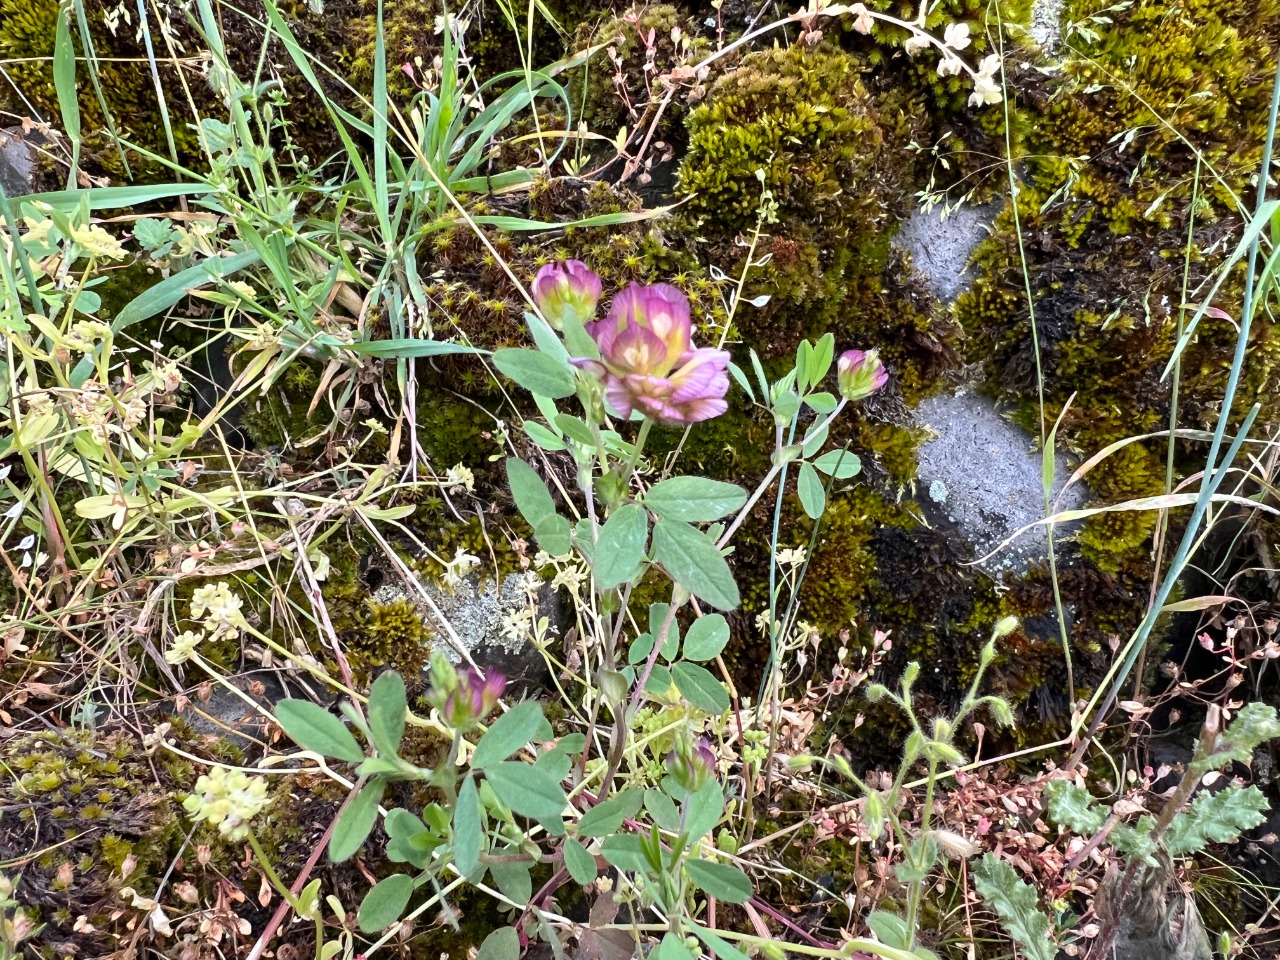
(618, 396)
(638, 349)
(697, 410)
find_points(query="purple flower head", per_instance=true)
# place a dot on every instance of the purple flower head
(473, 698)
(569, 289)
(860, 373)
(648, 361)
(692, 764)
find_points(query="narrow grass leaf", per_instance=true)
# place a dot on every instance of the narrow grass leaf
(165, 294)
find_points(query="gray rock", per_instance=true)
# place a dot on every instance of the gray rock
(16, 164)
(481, 614)
(940, 245)
(981, 473)
(1046, 24)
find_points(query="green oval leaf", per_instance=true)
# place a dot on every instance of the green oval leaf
(468, 828)
(813, 498)
(527, 790)
(384, 903)
(692, 560)
(706, 637)
(580, 864)
(502, 944)
(719, 880)
(606, 816)
(355, 821)
(537, 372)
(694, 499)
(315, 729)
(511, 731)
(697, 685)
(388, 708)
(840, 464)
(620, 546)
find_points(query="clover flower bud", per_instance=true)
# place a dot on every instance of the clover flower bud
(860, 373)
(692, 764)
(569, 289)
(473, 698)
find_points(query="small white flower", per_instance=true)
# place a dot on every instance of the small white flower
(862, 19)
(183, 647)
(459, 478)
(956, 36)
(517, 624)
(457, 568)
(222, 608)
(792, 557)
(950, 67)
(915, 43)
(985, 91)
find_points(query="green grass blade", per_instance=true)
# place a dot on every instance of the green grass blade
(113, 198)
(405, 347)
(64, 85)
(91, 61)
(169, 291)
(380, 121)
(33, 291)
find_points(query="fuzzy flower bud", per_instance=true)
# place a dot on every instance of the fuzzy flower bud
(566, 290)
(648, 361)
(692, 764)
(228, 799)
(860, 374)
(473, 698)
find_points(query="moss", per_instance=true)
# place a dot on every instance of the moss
(800, 124)
(86, 804)
(391, 634)
(1106, 245)
(618, 88)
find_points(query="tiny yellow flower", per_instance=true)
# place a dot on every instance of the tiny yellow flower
(96, 242)
(220, 609)
(228, 799)
(183, 647)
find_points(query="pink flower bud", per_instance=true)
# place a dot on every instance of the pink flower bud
(692, 764)
(566, 290)
(473, 698)
(648, 361)
(860, 374)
